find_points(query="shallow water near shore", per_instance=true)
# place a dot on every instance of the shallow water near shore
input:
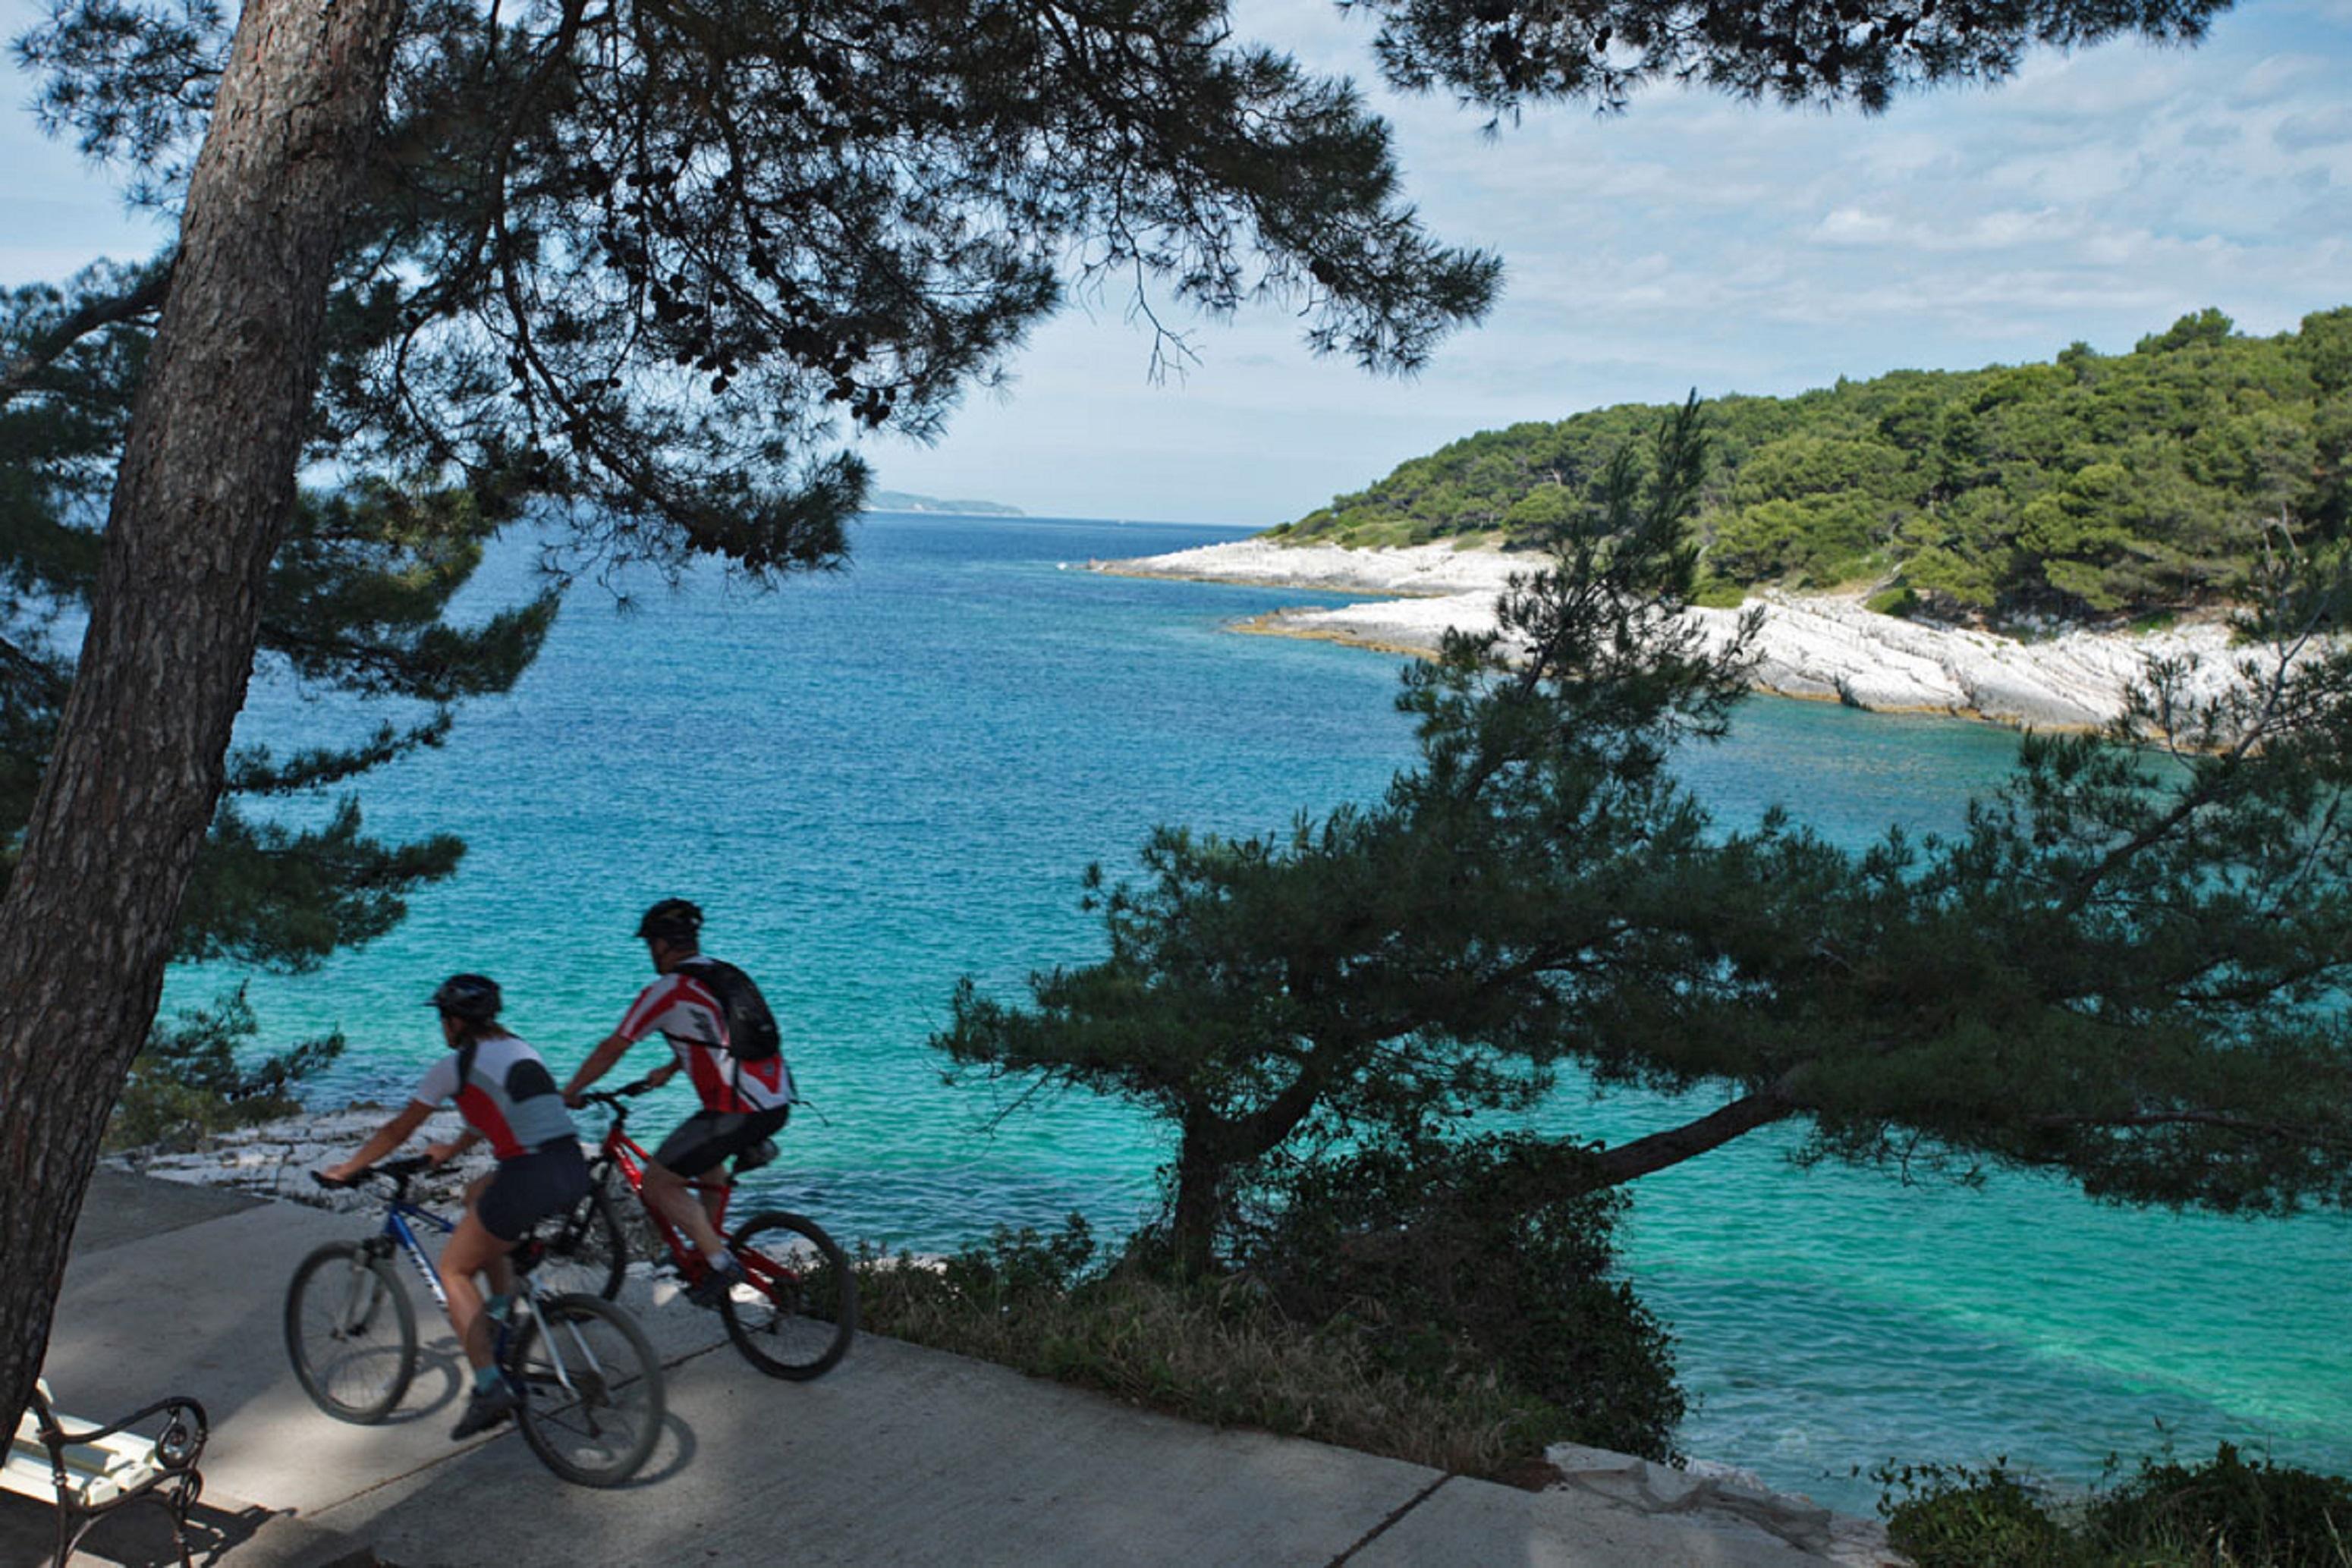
(878, 781)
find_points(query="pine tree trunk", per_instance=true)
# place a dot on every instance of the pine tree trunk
(199, 507)
(1202, 1164)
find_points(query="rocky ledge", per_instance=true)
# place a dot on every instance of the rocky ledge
(275, 1159)
(1827, 648)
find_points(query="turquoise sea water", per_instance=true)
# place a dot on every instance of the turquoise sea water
(878, 781)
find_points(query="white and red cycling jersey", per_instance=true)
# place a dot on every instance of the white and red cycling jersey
(690, 1017)
(509, 1096)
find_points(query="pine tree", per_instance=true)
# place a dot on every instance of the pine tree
(2127, 969)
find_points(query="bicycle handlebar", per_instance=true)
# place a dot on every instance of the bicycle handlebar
(613, 1097)
(396, 1172)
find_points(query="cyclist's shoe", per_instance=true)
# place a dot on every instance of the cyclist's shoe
(714, 1287)
(486, 1409)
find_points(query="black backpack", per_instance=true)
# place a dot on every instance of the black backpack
(751, 1032)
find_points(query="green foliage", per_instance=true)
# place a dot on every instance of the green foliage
(644, 273)
(2223, 1513)
(1898, 601)
(1217, 1351)
(2207, 329)
(355, 607)
(188, 1082)
(2097, 486)
(1447, 1261)
(1863, 52)
(1956, 1517)
(2326, 341)
(2228, 1510)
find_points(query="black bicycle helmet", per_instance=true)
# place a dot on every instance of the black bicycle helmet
(474, 997)
(671, 920)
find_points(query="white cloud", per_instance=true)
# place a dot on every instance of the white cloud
(2283, 78)
(1852, 225)
(2211, 133)
(2315, 128)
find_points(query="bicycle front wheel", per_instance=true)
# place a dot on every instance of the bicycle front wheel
(585, 1253)
(591, 1404)
(796, 1311)
(350, 1333)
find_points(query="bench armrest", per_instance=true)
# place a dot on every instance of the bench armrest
(177, 1446)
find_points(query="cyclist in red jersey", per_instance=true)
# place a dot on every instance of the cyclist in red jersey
(506, 1095)
(743, 1103)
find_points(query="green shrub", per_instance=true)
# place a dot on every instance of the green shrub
(1455, 1261)
(2230, 1511)
(187, 1082)
(1719, 593)
(1897, 600)
(1211, 1351)
(1955, 1517)
(2225, 1513)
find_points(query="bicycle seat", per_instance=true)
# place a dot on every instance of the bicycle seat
(763, 1153)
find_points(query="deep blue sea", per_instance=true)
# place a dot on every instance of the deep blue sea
(880, 780)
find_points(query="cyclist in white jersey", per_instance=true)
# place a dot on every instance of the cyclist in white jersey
(743, 1103)
(507, 1096)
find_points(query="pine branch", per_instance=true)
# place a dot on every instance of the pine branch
(2273, 1131)
(1655, 1152)
(16, 374)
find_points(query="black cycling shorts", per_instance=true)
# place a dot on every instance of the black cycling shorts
(528, 1188)
(707, 1137)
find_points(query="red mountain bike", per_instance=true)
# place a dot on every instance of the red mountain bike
(796, 1311)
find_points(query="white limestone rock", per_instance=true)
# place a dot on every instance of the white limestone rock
(275, 1159)
(1829, 648)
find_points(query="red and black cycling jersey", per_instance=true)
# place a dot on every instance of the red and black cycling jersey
(508, 1095)
(691, 1016)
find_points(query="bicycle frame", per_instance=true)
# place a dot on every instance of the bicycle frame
(399, 1235)
(620, 1151)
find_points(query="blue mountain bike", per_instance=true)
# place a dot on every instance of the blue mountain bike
(588, 1385)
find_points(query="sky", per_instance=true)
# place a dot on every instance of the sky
(1690, 242)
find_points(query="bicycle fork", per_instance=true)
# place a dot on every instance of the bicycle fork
(586, 1391)
(364, 1289)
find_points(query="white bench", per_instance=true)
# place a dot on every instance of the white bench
(85, 1471)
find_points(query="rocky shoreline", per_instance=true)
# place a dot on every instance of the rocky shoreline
(1825, 648)
(275, 1158)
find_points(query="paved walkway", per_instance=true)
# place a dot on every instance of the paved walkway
(902, 1455)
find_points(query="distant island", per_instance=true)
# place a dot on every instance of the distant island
(903, 501)
(2089, 489)
(2010, 543)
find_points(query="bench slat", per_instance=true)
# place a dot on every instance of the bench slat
(99, 1472)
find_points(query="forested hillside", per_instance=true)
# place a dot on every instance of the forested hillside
(2094, 485)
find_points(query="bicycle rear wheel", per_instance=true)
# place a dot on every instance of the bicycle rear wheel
(350, 1333)
(585, 1253)
(591, 1402)
(796, 1312)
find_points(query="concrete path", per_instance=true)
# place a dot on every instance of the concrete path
(902, 1455)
